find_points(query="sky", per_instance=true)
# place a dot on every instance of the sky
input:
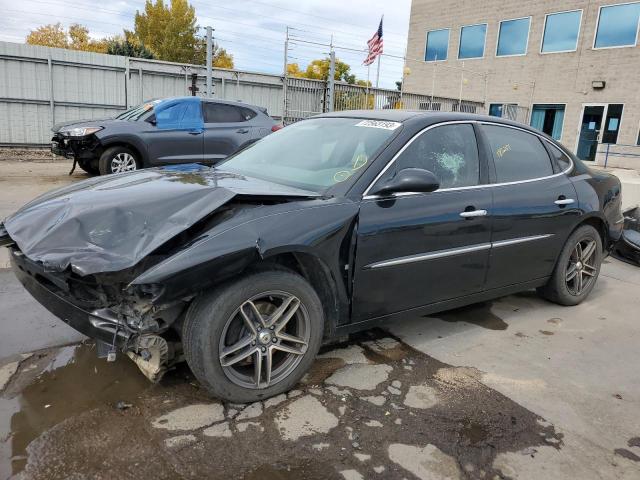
(252, 30)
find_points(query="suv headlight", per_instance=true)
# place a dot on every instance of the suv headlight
(79, 131)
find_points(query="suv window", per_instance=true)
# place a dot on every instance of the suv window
(221, 113)
(247, 113)
(561, 159)
(517, 155)
(450, 152)
(182, 115)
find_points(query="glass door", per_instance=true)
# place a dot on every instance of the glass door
(600, 124)
(590, 132)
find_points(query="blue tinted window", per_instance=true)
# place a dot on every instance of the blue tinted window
(618, 25)
(437, 45)
(513, 37)
(472, 41)
(561, 32)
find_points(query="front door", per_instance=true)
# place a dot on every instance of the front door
(600, 124)
(590, 128)
(418, 249)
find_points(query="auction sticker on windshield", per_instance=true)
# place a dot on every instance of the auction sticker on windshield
(378, 124)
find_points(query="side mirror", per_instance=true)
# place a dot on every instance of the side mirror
(152, 120)
(409, 180)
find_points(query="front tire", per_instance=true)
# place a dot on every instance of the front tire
(118, 160)
(255, 337)
(577, 268)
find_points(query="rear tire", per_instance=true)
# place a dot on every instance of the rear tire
(248, 357)
(577, 269)
(118, 160)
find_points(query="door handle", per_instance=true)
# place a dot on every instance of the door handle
(195, 132)
(564, 201)
(473, 214)
(243, 130)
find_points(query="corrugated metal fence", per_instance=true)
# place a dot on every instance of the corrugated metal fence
(41, 86)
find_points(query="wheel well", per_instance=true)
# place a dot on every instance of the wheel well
(318, 275)
(600, 227)
(130, 146)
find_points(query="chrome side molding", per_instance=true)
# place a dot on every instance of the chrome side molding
(420, 257)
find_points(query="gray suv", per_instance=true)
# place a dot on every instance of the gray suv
(162, 132)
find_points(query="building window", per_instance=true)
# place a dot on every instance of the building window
(617, 26)
(548, 119)
(437, 45)
(561, 32)
(472, 38)
(503, 110)
(513, 37)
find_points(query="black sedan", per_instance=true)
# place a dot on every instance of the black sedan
(162, 132)
(329, 226)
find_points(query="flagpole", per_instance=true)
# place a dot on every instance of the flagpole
(379, 56)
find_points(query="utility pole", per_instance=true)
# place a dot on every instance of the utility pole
(209, 61)
(284, 77)
(332, 80)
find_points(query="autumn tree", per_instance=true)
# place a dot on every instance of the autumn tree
(75, 38)
(319, 70)
(221, 59)
(169, 31)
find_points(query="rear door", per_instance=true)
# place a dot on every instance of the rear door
(227, 128)
(532, 201)
(421, 248)
(177, 134)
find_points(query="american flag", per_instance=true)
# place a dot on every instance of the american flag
(375, 45)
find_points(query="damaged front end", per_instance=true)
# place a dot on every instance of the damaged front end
(117, 316)
(81, 252)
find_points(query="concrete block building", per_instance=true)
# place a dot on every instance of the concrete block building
(570, 68)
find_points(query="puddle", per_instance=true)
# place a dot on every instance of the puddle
(467, 422)
(299, 472)
(479, 314)
(65, 383)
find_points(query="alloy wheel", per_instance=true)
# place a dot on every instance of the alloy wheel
(264, 340)
(581, 270)
(123, 162)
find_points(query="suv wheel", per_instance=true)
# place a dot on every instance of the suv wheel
(255, 337)
(577, 269)
(118, 160)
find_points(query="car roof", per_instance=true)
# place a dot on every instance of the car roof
(210, 100)
(426, 118)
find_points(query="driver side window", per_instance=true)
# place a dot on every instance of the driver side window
(450, 152)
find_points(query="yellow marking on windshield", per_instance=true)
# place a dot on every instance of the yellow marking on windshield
(341, 176)
(360, 161)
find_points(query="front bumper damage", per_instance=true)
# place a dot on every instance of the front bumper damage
(78, 148)
(147, 345)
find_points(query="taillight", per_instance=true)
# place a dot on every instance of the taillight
(276, 127)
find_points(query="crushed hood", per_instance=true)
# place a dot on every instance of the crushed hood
(109, 223)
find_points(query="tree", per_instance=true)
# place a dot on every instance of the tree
(52, 35)
(169, 31)
(319, 70)
(221, 58)
(127, 48)
(76, 38)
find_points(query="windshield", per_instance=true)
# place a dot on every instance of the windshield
(314, 154)
(135, 113)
